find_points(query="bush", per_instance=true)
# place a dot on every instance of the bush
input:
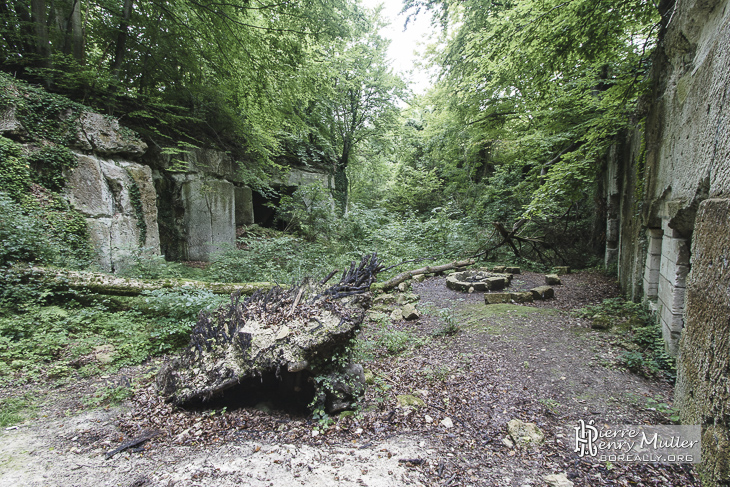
(23, 236)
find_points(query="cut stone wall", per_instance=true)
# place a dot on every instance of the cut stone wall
(99, 188)
(210, 217)
(703, 368)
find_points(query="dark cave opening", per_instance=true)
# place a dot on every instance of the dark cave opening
(264, 207)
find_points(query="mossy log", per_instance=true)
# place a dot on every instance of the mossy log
(423, 270)
(119, 286)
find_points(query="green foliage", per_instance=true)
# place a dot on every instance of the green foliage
(449, 324)
(639, 332)
(310, 211)
(108, 395)
(14, 170)
(42, 230)
(182, 303)
(49, 164)
(144, 263)
(15, 409)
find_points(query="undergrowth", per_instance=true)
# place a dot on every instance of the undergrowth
(638, 332)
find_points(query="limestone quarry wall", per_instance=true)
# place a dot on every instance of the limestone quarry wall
(667, 195)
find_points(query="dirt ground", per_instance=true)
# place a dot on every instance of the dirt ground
(534, 362)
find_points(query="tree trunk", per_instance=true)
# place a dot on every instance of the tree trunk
(423, 270)
(339, 193)
(120, 49)
(40, 30)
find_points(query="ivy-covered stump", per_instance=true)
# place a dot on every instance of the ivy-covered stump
(286, 346)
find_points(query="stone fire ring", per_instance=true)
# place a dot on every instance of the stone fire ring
(479, 280)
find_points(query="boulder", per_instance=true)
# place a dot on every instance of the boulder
(410, 312)
(542, 292)
(419, 277)
(552, 280)
(512, 270)
(407, 400)
(404, 286)
(561, 270)
(104, 136)
(525, 434)
(557, 480)
(396, 315)
(498, 268)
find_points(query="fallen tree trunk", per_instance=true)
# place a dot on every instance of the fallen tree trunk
(119, 286)
(276, 343)
(423, 270)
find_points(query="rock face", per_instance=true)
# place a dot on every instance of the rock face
(703, 384)
(120, 219)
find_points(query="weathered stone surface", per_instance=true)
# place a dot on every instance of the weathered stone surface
(244, 206)
(496, 298)
(703, 367)
(410, 312)
(407, 297)
(407, 400)
(9, 123)
(561, 270)
(104, 136)
(496, 283)
(499, 268)
(524, 434)
(142, 176)
(522, 297)
(557, 480)
(345, 387)
(210, 217)
(512, 270)
(478, 280)
(87, 189)
(404, 286)
(542, 292)
(396, 315)
(552, 280)
(100, 189)
(419, 278)
(384, 299)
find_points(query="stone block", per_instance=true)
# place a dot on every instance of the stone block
(653, 264)
(561, 270)
(673, 321)
(104, 136)
(676, 250)
(498, 268)
(496, 283)
(522, 297)
(654, 241)
(512, 270)
(552, 280)
(244, 205)
(209, 220)
(670, 296)
(542, 292)
(496, 298)
(674, 273)
(612, 230)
